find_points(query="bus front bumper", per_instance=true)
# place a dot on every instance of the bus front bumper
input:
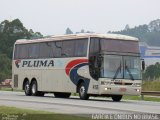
(119, 90)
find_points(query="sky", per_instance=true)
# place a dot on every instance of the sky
(52, 17)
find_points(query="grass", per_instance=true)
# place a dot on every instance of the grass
(10, 89)
(27, 114)
(6, 89)
(146, 98)
(153, 85)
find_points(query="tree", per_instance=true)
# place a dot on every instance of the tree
(146, 33)
(154, 26)
(82, 31)
(5, 67)
(35, 35)
(10, 31)
(69, 31)
(126, 27)
(152, 72)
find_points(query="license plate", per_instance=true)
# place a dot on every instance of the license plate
(122, 89)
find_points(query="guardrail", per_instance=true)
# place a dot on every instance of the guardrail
(5, 86)
(151, 93)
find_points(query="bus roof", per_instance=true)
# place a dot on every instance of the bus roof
(77, 36)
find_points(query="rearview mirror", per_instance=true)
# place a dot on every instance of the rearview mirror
(143, 64)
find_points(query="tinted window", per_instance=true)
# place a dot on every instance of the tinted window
(56, 49)
(110, 45)
(81, 48)
(68, 48)
(33, 50)
(16, 52)
(44, 50)
(21, 52)
(94, 46)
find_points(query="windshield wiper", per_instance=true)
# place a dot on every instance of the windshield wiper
(117, 71)
(131, 76)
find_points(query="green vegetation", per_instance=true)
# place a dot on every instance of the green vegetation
(6, 89)
(151, 78)
(10, 31)
(152, 72)
(153, 85)
(69, 31)
(146, 33)
(27, 114)
(5, 67)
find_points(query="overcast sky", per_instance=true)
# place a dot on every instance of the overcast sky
(52, 17)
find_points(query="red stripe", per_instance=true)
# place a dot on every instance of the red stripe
(17, 61)
(74, 63)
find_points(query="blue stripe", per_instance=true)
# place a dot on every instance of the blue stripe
(73, 73)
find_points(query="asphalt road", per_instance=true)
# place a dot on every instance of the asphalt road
(74, 105)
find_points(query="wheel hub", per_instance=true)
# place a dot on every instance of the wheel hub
(82, 90)
(33, 88)
(27, 88)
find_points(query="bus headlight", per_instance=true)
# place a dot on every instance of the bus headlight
(106, 88)
(138, 90)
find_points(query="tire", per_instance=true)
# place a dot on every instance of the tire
(27, 89)
(116, 98)
(34, 89)
(62, 95)
(82, 90)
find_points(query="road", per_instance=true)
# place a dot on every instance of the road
(74, 105)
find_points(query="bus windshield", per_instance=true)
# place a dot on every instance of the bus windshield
(123, 46)
(121, 67)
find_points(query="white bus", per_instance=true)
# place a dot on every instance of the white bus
(89, 64)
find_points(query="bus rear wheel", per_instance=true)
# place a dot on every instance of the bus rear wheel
(116, 98)
(62, 95)
(27, 89)
(83, 91)
(34, 90)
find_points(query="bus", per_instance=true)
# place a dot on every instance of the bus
(89, 64)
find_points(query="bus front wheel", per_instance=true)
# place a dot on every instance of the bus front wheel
(83, 91)
(27, 89)
(116, 98)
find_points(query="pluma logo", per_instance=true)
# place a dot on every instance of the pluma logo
(17, 63)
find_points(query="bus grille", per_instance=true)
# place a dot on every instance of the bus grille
(121, 83)
(15, 80)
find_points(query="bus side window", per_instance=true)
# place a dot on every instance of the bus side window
(33, 50)
(93, 57)
(53, 49)
(44, 50)
(68, 48)
(16, 52)
(81, 48)
(94, 46)
(58, 49)
(21, 51)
